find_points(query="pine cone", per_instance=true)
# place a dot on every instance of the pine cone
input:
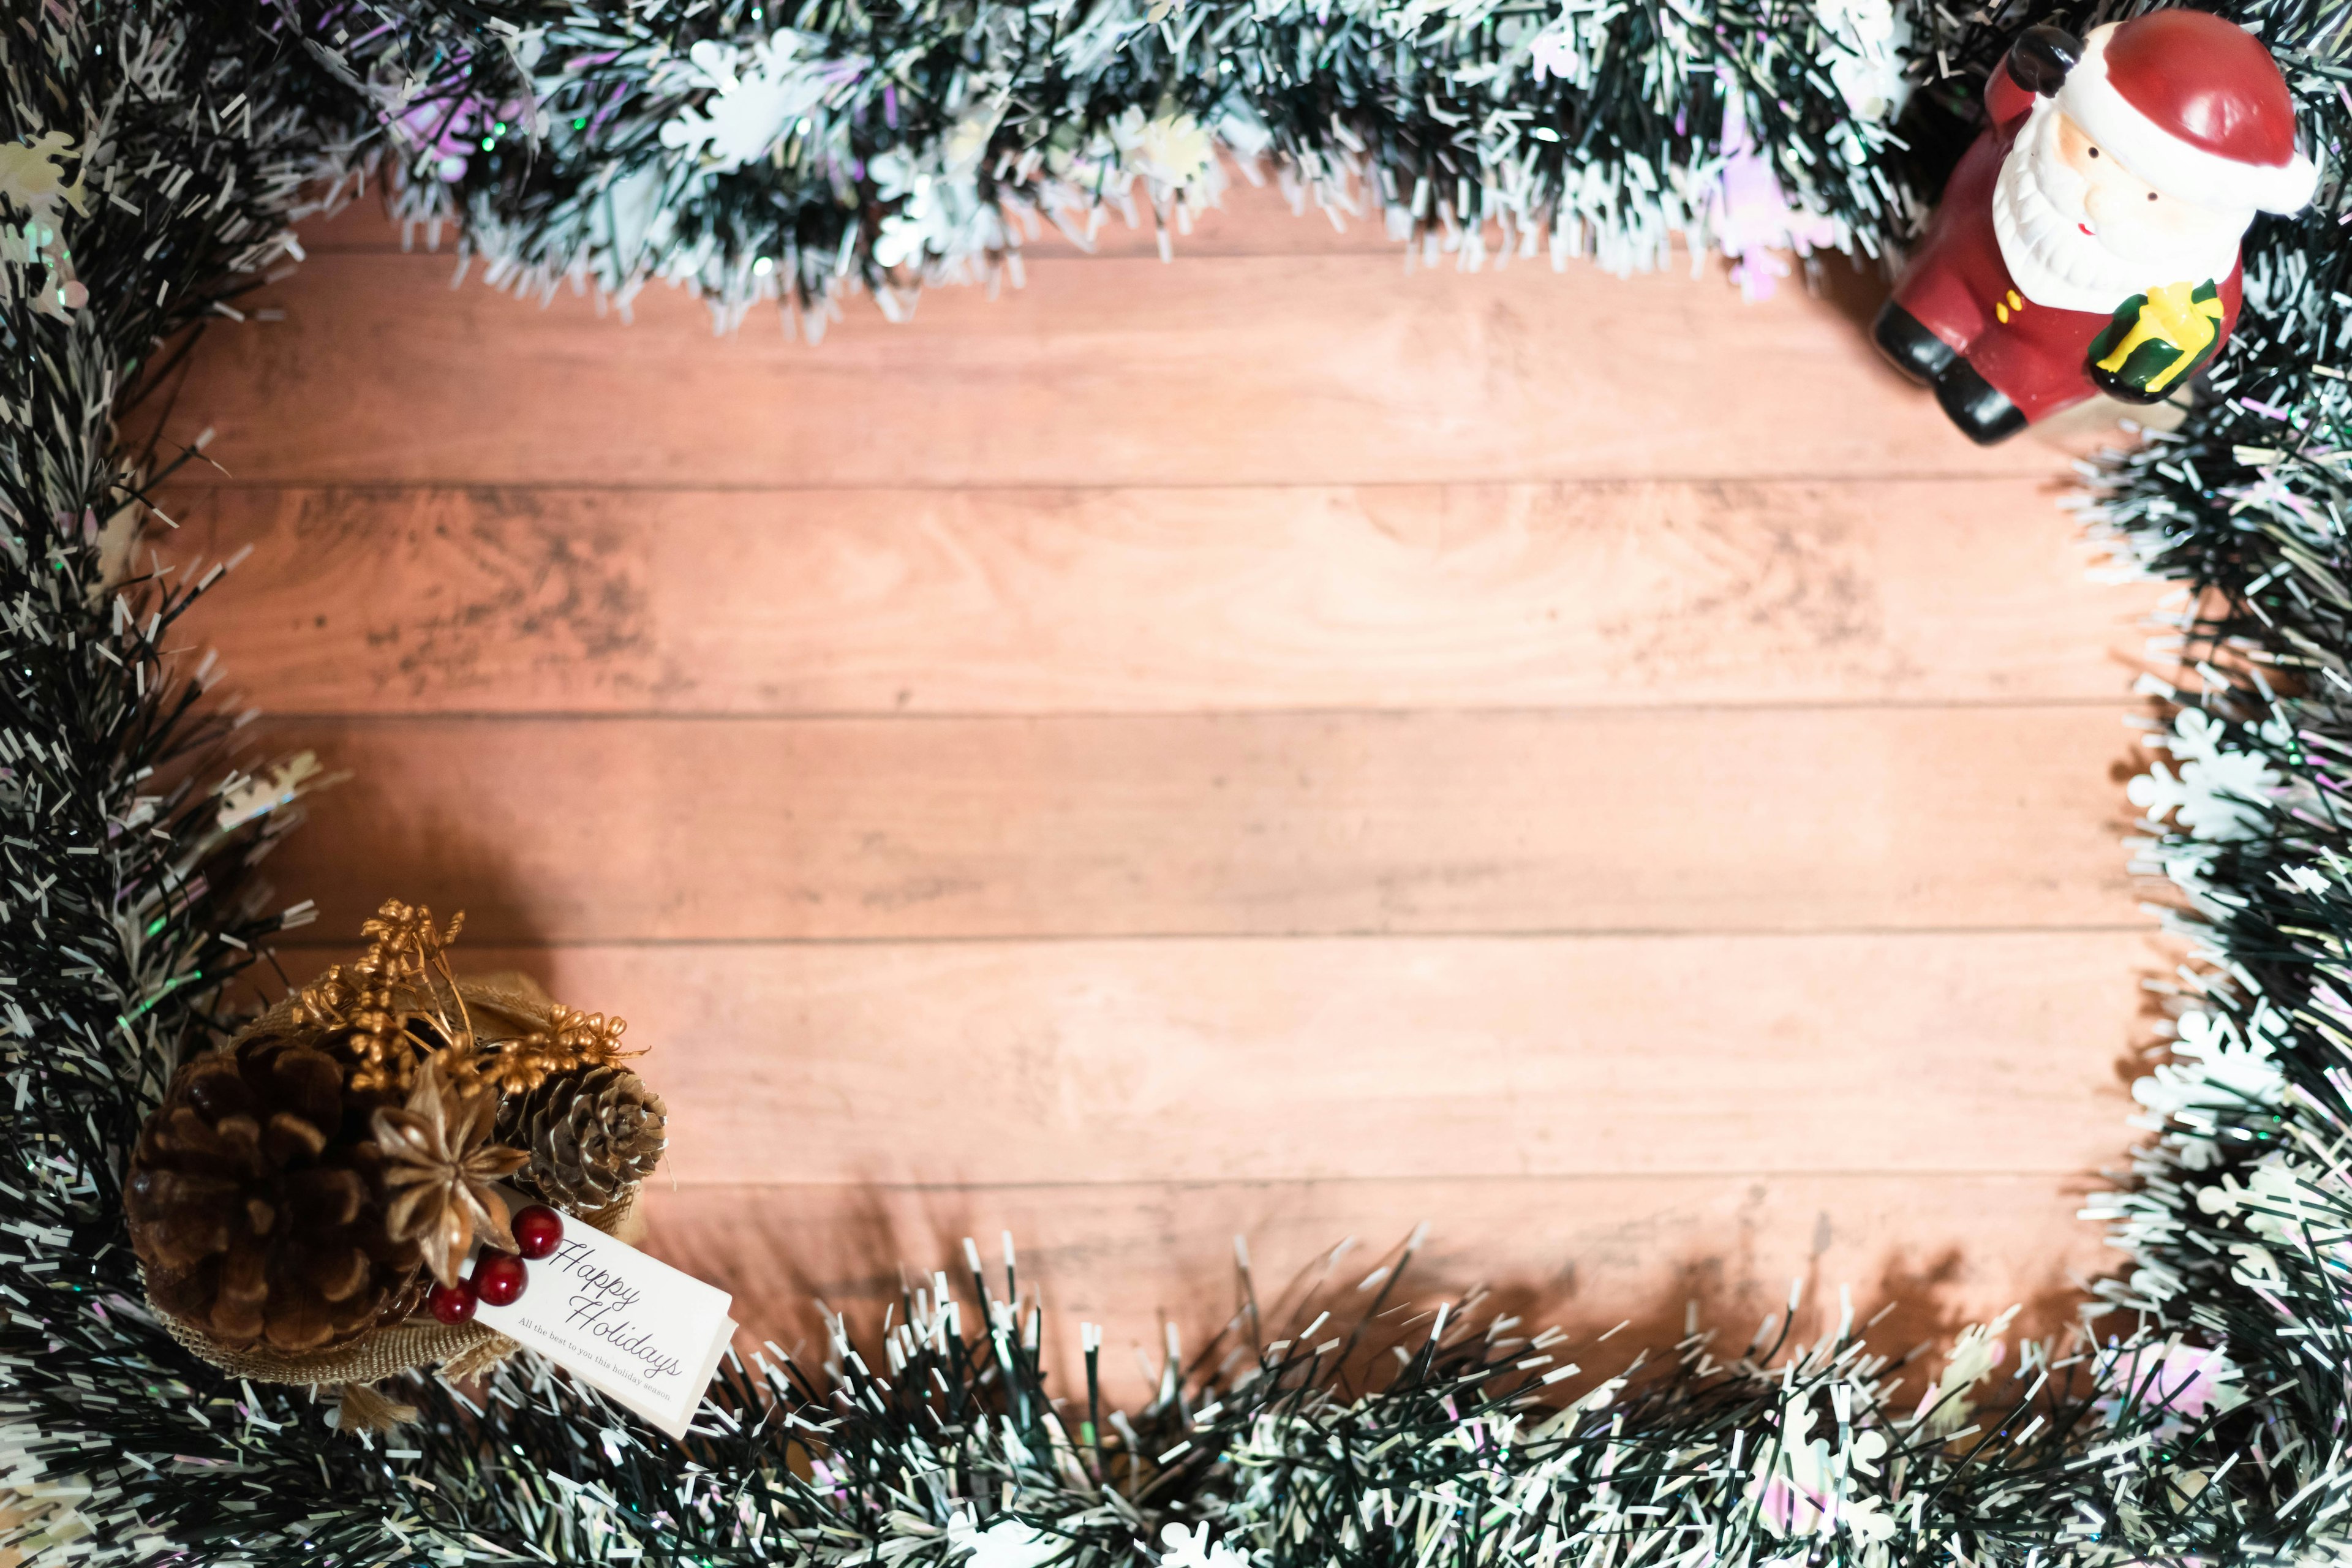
(255, 1198)
(590, 1132)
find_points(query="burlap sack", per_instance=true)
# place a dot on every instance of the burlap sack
(499, 1007)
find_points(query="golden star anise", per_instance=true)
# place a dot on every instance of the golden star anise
(439, 1167)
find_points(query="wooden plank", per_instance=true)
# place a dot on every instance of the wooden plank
(1586, 1253)
(1683, 819)
(1240, 369)
(525, 600)
(1209, 1059)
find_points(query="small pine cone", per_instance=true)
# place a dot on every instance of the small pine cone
(255, 1198)
(590, 1131)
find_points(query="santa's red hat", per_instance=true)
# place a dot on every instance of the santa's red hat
(2193, 105)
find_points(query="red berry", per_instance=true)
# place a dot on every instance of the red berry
(537, 1230)
(498, 1279)
(452, 1304)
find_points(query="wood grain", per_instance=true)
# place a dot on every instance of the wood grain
(1687, 819)
(1283, 743)
(1240, 370)
(1215, 1060)
(517, 600)
(1588, 1254)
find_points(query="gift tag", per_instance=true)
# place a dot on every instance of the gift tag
(627, 1324)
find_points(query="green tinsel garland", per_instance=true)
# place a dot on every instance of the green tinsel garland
(151, 158)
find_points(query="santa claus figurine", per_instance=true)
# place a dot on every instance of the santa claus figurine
(2089, 241)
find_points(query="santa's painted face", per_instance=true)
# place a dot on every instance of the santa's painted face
(2123, 213)
(2079, 231)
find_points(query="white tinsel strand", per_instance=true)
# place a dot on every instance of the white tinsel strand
(2237, 1225)
(709, 146)
(136, 186)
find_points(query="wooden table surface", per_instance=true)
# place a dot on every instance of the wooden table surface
(1277, 744)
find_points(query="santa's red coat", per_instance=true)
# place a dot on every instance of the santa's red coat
(1957, 283)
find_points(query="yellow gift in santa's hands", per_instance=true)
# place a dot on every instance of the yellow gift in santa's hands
(2158, 339)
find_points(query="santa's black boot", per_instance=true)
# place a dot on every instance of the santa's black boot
(1976, 405)
(1909, 346)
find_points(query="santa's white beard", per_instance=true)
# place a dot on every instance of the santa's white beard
(2037, 208)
